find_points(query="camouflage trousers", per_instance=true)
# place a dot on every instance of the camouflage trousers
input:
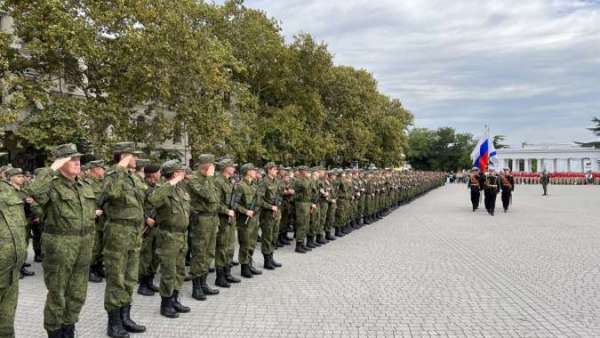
(203, 240)
(323, 213)
(302, 220)
(341, 215)
(269, 228)
(98, 242)
(9, 293)
(122, 244)
(35, 234)
(172, 248)
(331, 211)
(225, 246)
(66, 268)
(315, 220)
(247, 236)
(148, 257)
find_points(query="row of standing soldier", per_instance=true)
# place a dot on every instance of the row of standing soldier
(127, 222)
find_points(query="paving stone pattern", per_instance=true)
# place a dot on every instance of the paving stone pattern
(432, 268)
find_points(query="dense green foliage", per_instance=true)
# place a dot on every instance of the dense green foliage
(146, 70)
(441, 149)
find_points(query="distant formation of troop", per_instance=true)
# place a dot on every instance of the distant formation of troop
(127, 222)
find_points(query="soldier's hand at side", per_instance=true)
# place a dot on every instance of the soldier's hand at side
(230, 213)
(250, 213)
(99, 212)
(59, 163)
(274, 208)
(314, 206)
(150, 222)
(29, 200)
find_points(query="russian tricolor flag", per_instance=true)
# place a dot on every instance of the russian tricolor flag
(484, 154)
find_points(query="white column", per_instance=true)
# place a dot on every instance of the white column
(515, 165)
(527, 165)
(541, 165)
(554, 165)
(582, 161)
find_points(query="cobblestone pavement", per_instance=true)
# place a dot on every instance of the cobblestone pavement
(431, 269)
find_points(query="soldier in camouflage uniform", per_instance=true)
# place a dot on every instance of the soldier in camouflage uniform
(303, 201)
(171, 203)
(148, 254)
(270, 215)
(225, 247)
(69, 206)
(123, 203)
(331, 187)
(94, 178)
(12, 255)
(247, 223)
(287, 207)
(204, 225)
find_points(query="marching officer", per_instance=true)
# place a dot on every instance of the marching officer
(491, 186)
(270, 215)
(476, 181)
(507, 186)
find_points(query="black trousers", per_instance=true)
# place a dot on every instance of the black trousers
(475, 196)
(490, 199)
(506, 194)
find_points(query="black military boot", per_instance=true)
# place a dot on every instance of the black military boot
(68, 331)
(205, 288)
(329, 236)
(310, 243)
(267, 262)
(338, 232)
(143, 288)
(167, 309)
(115, 327)
(177, 305)
(300, 248)
(230, 278)
(94, 276)
(254, 270)
(56, 333)
(321, 239)
(150, 283)
(221, 280)
(197, 292)
(25, 272)
(39, 257)
(275, 263)
(246, 273)
(128, 323)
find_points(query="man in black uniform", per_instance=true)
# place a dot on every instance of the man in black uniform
(475, 185)
(491, 186)
(507, 186)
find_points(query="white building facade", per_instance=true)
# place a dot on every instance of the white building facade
(552, 157)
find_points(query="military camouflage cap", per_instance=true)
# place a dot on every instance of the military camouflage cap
(96, 164)
(271, 165)
(172, 166)
(247, 167)
(125, 148)
(142, 162)
(65, 150)
(13, 172)
(225, 163)
(205, 159)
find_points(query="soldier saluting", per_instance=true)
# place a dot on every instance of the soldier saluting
(69, 208)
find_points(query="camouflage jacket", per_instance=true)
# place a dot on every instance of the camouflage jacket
(171, 205)
(12, 235)
(122, 196)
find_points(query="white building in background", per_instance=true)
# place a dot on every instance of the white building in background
(552, 157)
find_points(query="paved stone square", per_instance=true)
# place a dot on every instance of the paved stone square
(431, 269)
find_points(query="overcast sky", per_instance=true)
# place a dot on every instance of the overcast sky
(528, 68)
